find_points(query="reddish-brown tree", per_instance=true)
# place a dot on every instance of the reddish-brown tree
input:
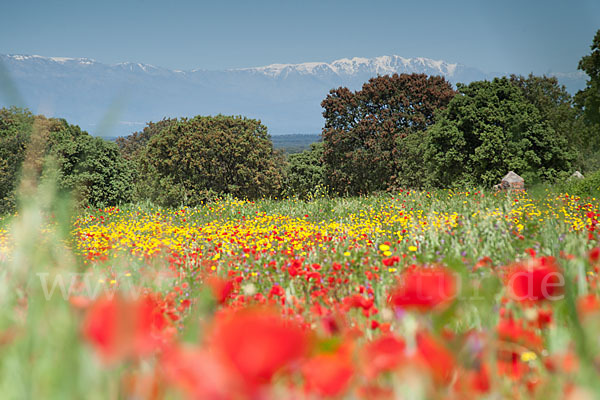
(366, 131)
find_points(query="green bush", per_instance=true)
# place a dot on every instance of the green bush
(587, 187)
(488, 129)
(305, 173)
(91, 168)
(132, 149)
(15, 129)
(196, 159)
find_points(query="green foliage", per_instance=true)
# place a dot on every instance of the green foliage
(556, 106)
(587, 187)
(92, 168)
(305, 172)
(409, 161)
(132, 149)
(588, 102)
(15, 128)
(588, 99)
(365, 131)
(89, 167)
(133, 145)
(488, 129)
(194, 160)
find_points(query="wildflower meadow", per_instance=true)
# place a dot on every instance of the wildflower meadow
(412, 295)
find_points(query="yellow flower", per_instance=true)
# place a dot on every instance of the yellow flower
(347, 253)
(412, 248)
(387, 253)
(384, 247)
(528, 356)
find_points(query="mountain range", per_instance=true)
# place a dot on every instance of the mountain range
(115, 100)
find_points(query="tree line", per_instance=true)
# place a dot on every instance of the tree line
(407, 130)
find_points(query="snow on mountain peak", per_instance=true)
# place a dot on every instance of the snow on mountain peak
(382, 65)
(351, 66)
(59, 60)
(134, 66)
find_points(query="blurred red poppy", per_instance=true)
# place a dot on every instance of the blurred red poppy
(383, 354)
(198, 374)
(120, 328)
(439, 359)
(424, 288)
(257, 342)
(328, 374)
(220, 288)
(535, 280)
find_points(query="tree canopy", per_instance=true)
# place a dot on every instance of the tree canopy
(588, 99)
(304, 172)
(194, 159)
(365, 130)
(488, 129)
(90, 168)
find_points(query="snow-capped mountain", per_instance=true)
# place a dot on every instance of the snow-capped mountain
(357, 65)
(118, 99)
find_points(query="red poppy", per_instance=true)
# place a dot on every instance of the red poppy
(424, 288)
(258, 342)
(120, 328)
(589, 304)
(220, 287)
(328, 374)
(536, 280)
(383, 354)
(509, 364)
(594, 255)
(198, 373)
(566, 362)
(358, 301)
(439, 359)
(513, 331)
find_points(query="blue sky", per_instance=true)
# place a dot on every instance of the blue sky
(495, 36)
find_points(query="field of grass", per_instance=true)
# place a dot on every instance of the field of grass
(416, 295)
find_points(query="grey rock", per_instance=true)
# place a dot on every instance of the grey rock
(577, 175)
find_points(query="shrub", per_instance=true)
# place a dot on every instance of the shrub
(304, 173)
(90, 167)
(132, 149)
(587, 187)
(15, 129)
(194, 159)
(488, 129)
